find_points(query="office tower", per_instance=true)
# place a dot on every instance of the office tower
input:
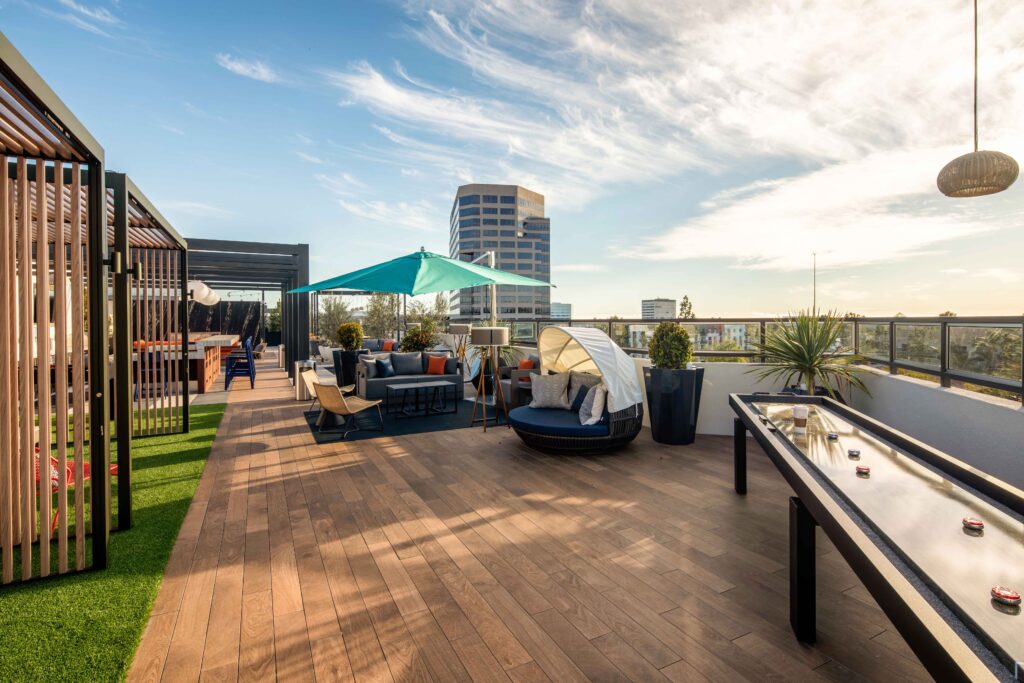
(508, 220)
(653, 309)
(561, 311)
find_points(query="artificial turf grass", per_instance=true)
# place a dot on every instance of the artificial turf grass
(86, 627)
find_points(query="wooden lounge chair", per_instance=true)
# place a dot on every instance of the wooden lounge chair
(353, 410)
(310, 377)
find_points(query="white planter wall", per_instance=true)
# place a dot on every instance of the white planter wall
(983, 432)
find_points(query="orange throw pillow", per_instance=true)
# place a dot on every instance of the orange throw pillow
(435, 365)
(525, 364)
(388, 346)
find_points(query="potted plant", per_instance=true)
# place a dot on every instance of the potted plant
(809, 349)
(422, 337)
(673, 387)
(350, 338)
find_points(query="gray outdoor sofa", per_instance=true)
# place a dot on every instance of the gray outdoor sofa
(409, 368)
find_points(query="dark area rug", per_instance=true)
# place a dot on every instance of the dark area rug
(395, 426)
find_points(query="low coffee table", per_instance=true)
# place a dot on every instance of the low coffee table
(428, 398)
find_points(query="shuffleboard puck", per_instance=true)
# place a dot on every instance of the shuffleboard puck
(832, 436)
(853, 453)
(973, 523)
(1006, 596)
(863, 471)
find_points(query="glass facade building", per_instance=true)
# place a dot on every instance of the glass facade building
(519, 235)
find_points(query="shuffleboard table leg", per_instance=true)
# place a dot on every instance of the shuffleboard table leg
(739, 447)
(802, 604)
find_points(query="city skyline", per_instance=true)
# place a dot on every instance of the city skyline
(711, 161)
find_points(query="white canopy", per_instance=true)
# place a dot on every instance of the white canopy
(585, 349)
(202, 294)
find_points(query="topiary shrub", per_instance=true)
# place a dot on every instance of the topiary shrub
(419, 338)
(670, 347)
(350, 336)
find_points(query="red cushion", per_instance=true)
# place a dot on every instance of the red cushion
(525, 364)
(435, 365)
(388, 346)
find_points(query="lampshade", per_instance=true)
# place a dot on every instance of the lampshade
(977, 174)
(489, 336)
(202, 294)
(459, 329)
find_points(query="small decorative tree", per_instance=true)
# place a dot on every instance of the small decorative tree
(670, 347)
(350, 336)
(419, 338)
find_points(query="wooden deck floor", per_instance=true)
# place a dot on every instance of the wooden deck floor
(463, 556)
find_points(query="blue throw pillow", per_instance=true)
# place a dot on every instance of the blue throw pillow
(384, 368)
(577, 402)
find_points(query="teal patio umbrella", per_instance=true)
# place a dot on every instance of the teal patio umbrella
(423, 272)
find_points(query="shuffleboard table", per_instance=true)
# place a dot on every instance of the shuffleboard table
(932, 538)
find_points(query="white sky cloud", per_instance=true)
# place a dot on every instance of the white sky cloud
(580, 101)
(310, 158)
(249, 68)
(99, 14)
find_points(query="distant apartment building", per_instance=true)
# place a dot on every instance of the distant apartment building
(561, 311)
(508, 220)
(653, 309)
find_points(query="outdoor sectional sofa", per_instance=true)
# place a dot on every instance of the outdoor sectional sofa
(409, 368)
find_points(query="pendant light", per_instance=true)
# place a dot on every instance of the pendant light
(980, 172)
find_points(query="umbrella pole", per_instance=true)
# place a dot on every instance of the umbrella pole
(493, 293)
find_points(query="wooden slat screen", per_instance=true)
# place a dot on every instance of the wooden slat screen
(43, 381)
(156, 341)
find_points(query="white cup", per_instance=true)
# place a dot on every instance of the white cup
(800, 419)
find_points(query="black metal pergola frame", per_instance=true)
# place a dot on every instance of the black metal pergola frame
(128, 207)
(260, 266)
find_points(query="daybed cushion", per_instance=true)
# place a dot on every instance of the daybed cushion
(553, 422)
(408, 363)
(581, 379)
(549, 391)
(593, 405)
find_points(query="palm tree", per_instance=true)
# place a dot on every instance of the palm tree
(809, 347)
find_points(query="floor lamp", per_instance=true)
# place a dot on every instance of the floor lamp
(460, 338)
(491, 338)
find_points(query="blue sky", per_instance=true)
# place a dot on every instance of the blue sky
(683, 148)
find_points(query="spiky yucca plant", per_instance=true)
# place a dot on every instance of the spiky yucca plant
(808, 347)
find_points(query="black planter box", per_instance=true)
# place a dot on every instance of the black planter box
(345, 366)
(273, 338)
(673, 397)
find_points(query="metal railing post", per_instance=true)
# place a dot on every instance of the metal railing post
(892, 347)
(944, 355)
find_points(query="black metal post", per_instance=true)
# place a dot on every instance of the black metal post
(892, 347)
(739, 449)
(99, 413)
(802, 600)
(944, 355)
(184, 344)
(302, 305)
(123, 404)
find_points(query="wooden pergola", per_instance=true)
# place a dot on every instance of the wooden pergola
(53, 351)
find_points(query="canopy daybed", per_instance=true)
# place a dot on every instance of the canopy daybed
(583, 349)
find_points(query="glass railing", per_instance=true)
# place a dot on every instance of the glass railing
(979, 354)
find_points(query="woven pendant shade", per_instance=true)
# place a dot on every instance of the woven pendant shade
(980, 172)
(977, 174)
